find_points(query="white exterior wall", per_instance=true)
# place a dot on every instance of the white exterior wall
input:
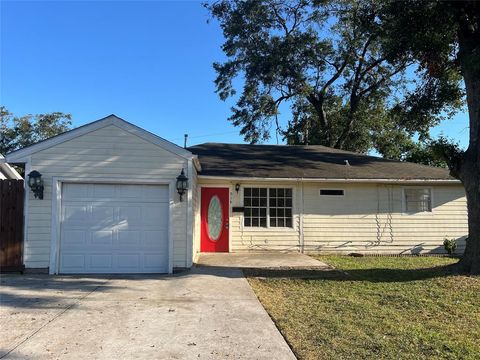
(107, 153)
(371, 219)
(368, 219)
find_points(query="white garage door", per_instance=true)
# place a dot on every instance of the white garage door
(114, 229)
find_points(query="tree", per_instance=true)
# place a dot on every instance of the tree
(443, 38)
(325, 61)
(18, 132)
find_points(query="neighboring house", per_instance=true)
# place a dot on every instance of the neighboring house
(111, 206)
(7, 172)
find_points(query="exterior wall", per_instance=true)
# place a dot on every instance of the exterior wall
(107, 153)
(244, 239)
(368, 219)
(371, 219)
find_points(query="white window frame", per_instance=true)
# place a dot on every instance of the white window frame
(268, 227)
(404, 200)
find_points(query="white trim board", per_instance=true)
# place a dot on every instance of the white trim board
(54, 264)
(332, 180)
(22, 154)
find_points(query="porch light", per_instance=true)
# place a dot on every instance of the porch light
(237, 188)
(35, 183)
(182, 184)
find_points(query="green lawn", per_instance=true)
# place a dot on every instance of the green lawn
(387, 308)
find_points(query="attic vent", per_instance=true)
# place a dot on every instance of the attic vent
(332, 192)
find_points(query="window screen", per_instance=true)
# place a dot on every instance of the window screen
(418, 200)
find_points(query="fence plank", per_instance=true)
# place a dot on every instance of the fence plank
(11, 225)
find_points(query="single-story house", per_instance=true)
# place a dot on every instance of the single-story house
(7, 172)
(111, 205)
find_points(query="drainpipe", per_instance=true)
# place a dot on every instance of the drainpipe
(302, 211)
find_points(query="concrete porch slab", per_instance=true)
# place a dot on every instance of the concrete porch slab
(260, 260)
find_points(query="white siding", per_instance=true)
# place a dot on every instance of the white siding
(107, 153)
(368, 219)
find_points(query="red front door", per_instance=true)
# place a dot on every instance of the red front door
(214, 217)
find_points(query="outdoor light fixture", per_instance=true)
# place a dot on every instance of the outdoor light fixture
(237, 188)
(182, 184)
(35, 183)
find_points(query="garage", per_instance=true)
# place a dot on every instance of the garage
(114, 228)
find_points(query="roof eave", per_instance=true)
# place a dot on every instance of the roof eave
(334, 180)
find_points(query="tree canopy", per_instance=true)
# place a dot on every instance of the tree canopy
(18, 132)
(328, 66)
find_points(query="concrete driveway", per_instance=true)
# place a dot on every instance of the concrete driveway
(206, 313)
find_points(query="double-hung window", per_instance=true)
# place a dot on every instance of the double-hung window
(267, 207)
(418, 200)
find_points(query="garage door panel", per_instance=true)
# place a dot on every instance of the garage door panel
(119, 233)
(101, 261)
(73, 262)
(132, 214)
(129, 238)
(74, 237)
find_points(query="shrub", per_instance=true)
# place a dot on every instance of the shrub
(450, 245)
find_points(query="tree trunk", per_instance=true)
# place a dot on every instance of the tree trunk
(470, 261)
(469, 48)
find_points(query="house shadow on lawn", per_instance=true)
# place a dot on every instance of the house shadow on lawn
(374, 275)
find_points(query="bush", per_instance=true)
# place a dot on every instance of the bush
(450, 245)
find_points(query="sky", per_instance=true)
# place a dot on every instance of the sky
(148, 62)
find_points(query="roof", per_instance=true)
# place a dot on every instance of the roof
(312, 162)
(8, 172)
(22, 154)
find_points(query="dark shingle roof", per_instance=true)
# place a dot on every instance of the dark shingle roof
(313, 161)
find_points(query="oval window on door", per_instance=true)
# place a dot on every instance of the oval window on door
(214, 218)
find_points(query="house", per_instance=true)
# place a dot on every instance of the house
(110, 201)
(7, 172)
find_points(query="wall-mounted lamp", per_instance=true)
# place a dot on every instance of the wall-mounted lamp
(237, 188)
(182, 184)
(35, 183)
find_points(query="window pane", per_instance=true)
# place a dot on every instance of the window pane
(263, 222)
(247, 202)
(418, 200)
(263, 202)
(254, 221)
(255, 192)
(255, 202)
(248, 222)
(280, 207)
(263, 212)
(247, 191)
(255, 211)
(263, 192)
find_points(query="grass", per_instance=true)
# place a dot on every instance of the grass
(385, 308)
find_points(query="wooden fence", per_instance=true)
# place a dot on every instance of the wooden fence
(11, 225)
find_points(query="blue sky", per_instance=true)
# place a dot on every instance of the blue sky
(147, 62)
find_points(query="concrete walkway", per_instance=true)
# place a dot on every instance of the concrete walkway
(261, 260)
(207, 313)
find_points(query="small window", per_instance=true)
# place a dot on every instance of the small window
(332, 192)
(418, 200)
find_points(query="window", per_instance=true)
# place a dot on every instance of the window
(267, 207)
(418, 200)
(331, 192)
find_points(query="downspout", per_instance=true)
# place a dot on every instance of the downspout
(302, 211)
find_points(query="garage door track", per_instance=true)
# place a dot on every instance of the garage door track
(201, 314)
